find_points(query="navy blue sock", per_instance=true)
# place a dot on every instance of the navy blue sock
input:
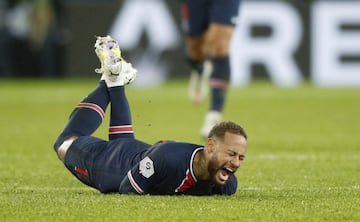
(120, 121)
(87, 116)
(217, 99)
(219, 82)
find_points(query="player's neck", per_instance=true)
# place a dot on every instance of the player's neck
(200, 166)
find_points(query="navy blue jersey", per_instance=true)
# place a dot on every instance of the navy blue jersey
(198, 14)
(131, 166)
(167, 169)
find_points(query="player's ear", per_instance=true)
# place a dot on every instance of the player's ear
(210, 145)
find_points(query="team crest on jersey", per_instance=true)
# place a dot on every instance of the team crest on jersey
(146, 167)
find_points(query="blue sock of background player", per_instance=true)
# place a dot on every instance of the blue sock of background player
(219, 82)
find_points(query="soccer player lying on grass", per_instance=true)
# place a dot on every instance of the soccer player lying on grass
(129, 166)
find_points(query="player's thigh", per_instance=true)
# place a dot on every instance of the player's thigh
(195, 17)
(217, 39)
(79, 158)
(223, 15)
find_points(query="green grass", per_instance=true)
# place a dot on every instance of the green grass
(303, 161)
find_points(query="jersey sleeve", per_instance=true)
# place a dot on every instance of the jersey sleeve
(155, 172)
(228, 189)
(140, 178)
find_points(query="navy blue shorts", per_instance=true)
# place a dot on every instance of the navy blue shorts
(198, 14)
(103, 164)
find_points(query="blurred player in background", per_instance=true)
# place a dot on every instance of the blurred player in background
(129, 166)
(209, 25)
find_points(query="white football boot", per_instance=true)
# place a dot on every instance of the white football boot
(114, 69)
(211, 119)
(199, 83)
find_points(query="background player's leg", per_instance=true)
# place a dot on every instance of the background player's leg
(120, 121)
(87, 115)
(195, 19)
(217, 48)
(219, 82)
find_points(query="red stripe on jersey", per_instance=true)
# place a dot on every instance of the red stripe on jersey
(187, 182)
(133, 183)
(217, 83)
(121, 129)
(92, 106)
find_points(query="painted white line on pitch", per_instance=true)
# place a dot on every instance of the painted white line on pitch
(54, 188)
(282, 156)
(355, 187)
(26, 156)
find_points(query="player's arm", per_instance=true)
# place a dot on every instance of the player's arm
(140, 178)
(228, 189)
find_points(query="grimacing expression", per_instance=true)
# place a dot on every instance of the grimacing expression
(227, 157)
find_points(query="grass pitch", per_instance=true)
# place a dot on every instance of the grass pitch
(303, 160)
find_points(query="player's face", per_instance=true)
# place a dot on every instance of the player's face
(227, 157)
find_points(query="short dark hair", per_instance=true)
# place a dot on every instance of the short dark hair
(221, 128)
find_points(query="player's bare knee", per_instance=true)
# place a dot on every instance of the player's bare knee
(63, 148)
(218, 39)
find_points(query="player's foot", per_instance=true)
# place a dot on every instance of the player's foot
(114, 69)
(211, 119)
(199, 84)
(106, 49)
